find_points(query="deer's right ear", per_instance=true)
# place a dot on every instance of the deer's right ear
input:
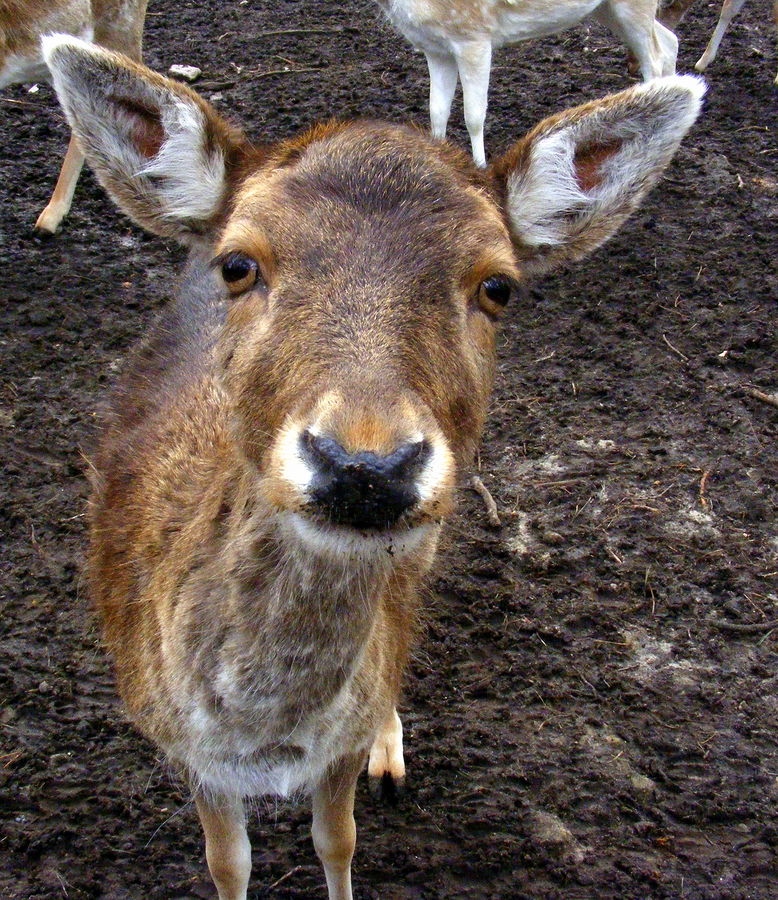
(571, 183)
(161, 152)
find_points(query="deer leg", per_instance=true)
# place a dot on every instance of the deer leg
(474, 61)
(443, 84)
(57, 208)
(227, 847)
(729, 10)
(653, 45)
(386, 756)
(333, 829)
(668, 46)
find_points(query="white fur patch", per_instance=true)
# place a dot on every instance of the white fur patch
(193, 181)
(343, 542)
(293, 467)
(546, 190)
(435, 472)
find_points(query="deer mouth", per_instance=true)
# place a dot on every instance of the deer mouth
(321, 535)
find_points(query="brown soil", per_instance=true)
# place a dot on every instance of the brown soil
(586, 717)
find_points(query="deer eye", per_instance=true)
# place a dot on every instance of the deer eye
(240, 272)
(494, 293)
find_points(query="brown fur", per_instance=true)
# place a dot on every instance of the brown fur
(250, 634)
(176, 511)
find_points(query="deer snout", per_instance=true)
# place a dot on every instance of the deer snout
(363, 490)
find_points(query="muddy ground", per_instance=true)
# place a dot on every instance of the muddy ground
(592, 712)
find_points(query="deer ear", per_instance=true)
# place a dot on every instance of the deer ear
(161, 152)
(572, 181)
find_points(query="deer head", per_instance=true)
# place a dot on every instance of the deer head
(359, 273)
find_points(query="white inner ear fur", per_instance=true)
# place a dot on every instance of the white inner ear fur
(650, 122)
(192, 179)
(547, 188)
(184, 181)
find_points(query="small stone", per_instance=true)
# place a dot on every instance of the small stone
(188, 73)
(643, 784)
(44, 687)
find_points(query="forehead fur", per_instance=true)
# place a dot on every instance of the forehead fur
(341, 184)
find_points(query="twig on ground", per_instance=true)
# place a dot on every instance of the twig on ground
(703, 483)
(770, 399)
(258, 74)
(746, 627)
(10, 758)
(335, 29)
(674, 349)
(283, 878)
(491, 507)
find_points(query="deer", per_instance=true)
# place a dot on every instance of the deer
(116, 24)
(273, 468)
(672, 13)
(458, 37)
(669, 13)
(729, 9)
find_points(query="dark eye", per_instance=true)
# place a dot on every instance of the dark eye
(240, 272)
(494, 293)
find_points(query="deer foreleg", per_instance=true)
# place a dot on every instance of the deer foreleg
(443, 84)
(729, 10)
(474, 61)
(227, 847)
(333, 829)
(57, 208)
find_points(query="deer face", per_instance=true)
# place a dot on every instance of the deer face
(363, 268)
(361, 357)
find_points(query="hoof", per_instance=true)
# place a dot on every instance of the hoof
(385, 789)
(47, 223)
(44, 234)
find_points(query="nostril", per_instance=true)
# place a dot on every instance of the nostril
(408, 459)
(326, 453)
(330, 456)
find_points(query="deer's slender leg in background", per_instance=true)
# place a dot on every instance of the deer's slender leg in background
(57, 208)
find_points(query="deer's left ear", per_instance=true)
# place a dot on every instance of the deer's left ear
(572, 181)
(162, 153)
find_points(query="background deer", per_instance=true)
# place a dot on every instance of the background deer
(117, 24)
(729, 9)
(672, 13)
(458, 36)
(274, 465)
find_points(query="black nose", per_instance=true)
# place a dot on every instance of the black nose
(362, 490)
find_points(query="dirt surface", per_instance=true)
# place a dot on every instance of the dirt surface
(593, 711)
